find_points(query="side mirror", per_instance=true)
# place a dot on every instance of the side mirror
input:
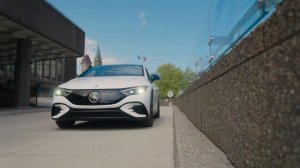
(154, 77)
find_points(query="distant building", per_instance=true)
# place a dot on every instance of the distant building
(85, 63)
(98, 59)
(35, 54)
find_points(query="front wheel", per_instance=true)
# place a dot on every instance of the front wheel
(149, 121)
(157, 115)
(65, 124)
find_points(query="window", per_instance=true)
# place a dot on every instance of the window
(2, 70)
(10, 70)
(114, 70)
(39, 69)
(53, 69)
(47, 69)
(59, 70)
(63, 63)
(32, 66)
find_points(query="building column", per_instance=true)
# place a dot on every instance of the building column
(22, 73)
(69, 69)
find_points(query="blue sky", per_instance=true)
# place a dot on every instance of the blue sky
(163, 31)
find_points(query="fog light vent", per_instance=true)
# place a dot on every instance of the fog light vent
(135, 109)
(59, 110)
(140, 109)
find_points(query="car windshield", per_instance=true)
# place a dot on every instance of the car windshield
(114, 70)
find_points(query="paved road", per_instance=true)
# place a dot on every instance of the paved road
(33, 141)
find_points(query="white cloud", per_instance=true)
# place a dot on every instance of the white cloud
(143, 23)
(107, 57)
(111, 59)
(90, 46)
(142, 18)
(141, 15)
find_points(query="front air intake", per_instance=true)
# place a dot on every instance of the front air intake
(135, 109)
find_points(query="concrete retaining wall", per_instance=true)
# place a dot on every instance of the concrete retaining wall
(249, 103)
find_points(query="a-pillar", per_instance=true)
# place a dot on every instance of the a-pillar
(22, 73)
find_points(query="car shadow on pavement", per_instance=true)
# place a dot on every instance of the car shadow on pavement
(107, 125)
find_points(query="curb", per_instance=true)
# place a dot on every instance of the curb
(192, 148)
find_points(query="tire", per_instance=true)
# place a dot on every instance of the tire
(149, 122)
(65, 124)
(157, 115)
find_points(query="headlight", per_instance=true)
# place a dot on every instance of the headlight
(62, 92)
(135, 91)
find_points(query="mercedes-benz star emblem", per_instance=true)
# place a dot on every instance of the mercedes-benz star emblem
(94, 97)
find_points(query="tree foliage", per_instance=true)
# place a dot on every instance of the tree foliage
(171, 79)
(189, 77)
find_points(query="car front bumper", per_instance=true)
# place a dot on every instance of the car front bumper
(133, 111)
(136, 107)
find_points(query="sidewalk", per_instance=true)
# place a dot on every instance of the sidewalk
(44, 105)
(192, 148)
(14, 111)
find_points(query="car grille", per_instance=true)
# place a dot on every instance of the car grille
(107, 97)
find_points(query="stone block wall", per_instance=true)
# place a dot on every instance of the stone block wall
(249, 102)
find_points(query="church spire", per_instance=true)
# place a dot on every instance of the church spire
(98, 59)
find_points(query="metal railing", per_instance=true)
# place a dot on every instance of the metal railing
(227, 24)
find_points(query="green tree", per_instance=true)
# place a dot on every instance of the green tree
(189, 77)
(171, 79)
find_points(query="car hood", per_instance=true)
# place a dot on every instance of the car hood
(115, 82)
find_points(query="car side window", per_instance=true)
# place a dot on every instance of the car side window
(148, 75)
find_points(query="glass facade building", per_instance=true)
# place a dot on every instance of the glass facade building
(45, 76)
